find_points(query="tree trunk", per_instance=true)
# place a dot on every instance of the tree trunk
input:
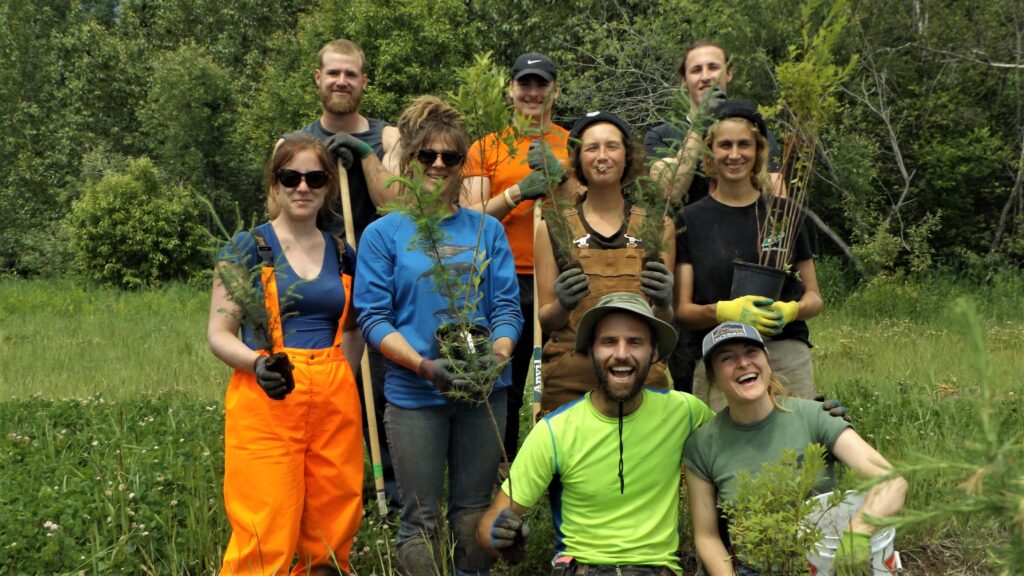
(836, 239)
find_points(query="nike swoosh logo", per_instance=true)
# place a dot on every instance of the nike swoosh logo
(532, 61)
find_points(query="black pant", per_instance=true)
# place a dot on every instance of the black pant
(522, 365)
(683, 360)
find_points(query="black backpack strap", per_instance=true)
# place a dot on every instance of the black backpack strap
(266, 253)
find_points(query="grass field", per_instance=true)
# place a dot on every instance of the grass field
(111, 423)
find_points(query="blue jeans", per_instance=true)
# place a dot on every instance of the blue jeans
(426, 441)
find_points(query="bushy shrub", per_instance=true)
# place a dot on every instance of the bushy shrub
(132, 228)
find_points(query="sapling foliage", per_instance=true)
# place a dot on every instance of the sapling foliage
(767, 517)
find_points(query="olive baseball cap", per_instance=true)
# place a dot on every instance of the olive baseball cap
(664, 334)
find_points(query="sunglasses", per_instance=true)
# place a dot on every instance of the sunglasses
(427, 157)
(291, 178)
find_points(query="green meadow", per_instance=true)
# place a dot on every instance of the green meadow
(111, 422)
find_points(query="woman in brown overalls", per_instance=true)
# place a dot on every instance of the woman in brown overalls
(607, 256)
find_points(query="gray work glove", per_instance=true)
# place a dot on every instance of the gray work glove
(274, 383)
(833, 407)
(442, 374)
(347, 148)
(508, 535)
(570, 287)
(542, 159)
(712, 99)
(533, 186)
(656, 282)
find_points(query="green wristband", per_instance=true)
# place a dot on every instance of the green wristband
(364, 148)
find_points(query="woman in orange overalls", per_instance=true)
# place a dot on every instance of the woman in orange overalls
(293, 458)
(609, 255)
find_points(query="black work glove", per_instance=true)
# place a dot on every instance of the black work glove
(508, 536)
(485, 369)
(570, 287)
(833, 407)
(656, 282)
(491, 363)
(541, 159)
(442, 374)
(347, 148)
(270, 375)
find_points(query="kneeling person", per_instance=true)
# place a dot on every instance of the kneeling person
(612, 458)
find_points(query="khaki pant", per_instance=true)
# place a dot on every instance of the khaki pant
(791, 362)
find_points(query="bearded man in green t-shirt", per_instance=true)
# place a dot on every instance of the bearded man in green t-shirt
(611, 459)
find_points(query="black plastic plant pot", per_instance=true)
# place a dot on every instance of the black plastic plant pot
(756, 280)
(279, 363)
(463, 342)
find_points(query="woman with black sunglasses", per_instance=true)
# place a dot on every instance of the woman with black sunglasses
(293, 458)
(400, 308)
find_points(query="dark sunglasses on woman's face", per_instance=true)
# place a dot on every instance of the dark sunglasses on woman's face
(449, 159)
(291, 178)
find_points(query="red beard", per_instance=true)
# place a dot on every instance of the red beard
(340, 103)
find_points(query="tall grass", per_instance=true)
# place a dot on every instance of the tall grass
(111, 421)
(61, 340)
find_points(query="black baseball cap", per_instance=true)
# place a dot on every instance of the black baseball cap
(742, 109)
(534, 63)
(595, 117)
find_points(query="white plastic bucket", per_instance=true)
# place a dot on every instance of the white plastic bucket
(833, 521)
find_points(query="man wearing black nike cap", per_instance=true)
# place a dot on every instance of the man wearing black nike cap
(504, 182)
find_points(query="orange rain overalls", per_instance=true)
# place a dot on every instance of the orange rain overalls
(566, 374)
(293, 468)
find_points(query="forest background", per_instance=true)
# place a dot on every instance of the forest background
(923, 166)
(120, 115)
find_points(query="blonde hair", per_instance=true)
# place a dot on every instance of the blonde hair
(429, 117)
(759, 175)
(341, 46)
(285, 151)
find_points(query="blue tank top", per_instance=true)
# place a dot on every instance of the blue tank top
(311, 308)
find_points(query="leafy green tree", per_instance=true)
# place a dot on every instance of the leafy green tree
(35, 158)
(187, 118)
(133, 228)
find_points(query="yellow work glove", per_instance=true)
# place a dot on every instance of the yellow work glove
(753, 310)
(789, 310)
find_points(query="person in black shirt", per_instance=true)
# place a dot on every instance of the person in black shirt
(725, 227)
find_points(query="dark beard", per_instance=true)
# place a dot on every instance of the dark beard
(348, 104)
(605, 388)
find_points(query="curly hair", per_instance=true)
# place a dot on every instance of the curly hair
(759, 175)
(429, 117)
(283, 153)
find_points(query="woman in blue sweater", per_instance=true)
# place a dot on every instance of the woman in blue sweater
(400, 308)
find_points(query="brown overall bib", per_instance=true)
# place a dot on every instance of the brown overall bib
(566, 375)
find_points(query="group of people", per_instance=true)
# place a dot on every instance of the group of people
(615, 405)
